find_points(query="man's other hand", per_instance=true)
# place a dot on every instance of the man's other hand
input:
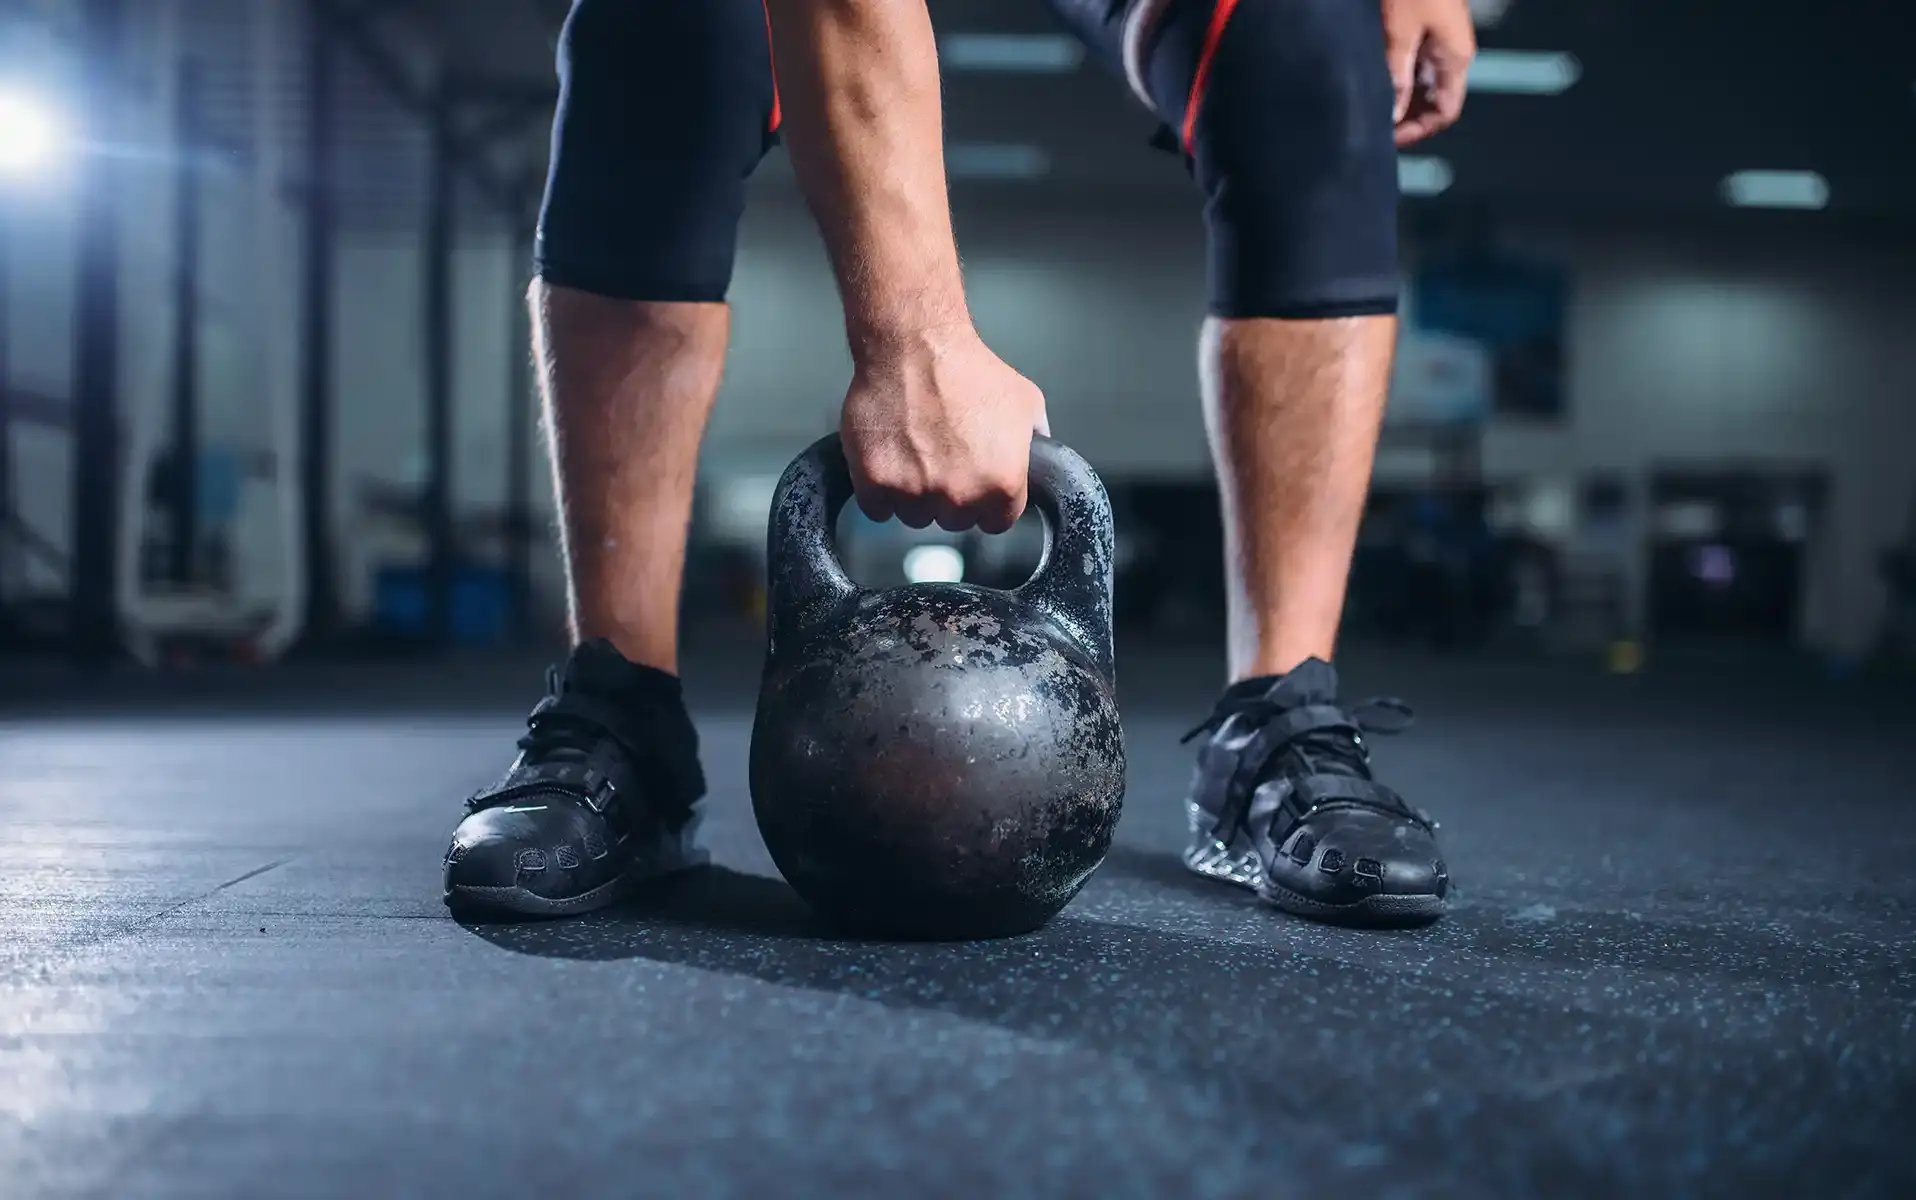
(1430, 44)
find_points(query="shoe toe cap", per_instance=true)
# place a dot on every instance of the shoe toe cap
(496, 848)
(490, 862)
(1343, 857)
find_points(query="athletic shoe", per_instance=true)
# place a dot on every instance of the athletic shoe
(603, 796)
(1283, 801)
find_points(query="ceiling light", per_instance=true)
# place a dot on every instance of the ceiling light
(996, 160)
(1776, 189)
(1423, 175)
(1524, 72)
(1022, 53)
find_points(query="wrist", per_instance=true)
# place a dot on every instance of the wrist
(907, 332)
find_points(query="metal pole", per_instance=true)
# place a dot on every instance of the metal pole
(94, 635)
(437, 508)
(182, 492)
(519, 402)
(9, 555)
(316, 387)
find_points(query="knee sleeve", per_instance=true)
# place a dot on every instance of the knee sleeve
(665, 108)
(1283, 110)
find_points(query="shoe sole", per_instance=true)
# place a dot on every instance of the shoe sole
(1239, 867)
(517, 903)
(1385, 911)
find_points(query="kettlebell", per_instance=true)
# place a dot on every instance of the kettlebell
(938, 760)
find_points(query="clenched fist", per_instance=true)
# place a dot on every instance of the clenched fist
(937, 428)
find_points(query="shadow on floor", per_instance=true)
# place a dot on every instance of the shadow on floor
(1161, 868)
(1526, 935)
(1297, 1033)
(1169, 1003)
(700, 919)
(724, 920)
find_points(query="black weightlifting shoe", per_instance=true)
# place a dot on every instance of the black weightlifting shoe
(603, 796)
(1283, 801)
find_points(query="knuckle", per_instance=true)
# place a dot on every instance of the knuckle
(1003, 494)
(878, 494)
(906, 490)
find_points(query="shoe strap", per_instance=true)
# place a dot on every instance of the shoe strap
(1279, 729)
(1278, 808)
(616, 761)
(1275, 729)
(579, 780)
(594, 719)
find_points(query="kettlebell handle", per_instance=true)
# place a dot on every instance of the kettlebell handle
(804, 580)
(1072, 584)
(1073, 581)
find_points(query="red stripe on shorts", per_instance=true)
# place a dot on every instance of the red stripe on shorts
(771, 124)
(1212, 36)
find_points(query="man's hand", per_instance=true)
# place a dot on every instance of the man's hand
(935, 426)
(939, 429)
(1430, 44)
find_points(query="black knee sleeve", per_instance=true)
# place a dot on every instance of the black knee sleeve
(1282, 109)
(665, 107)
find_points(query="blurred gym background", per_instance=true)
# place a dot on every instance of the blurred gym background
(266, 391)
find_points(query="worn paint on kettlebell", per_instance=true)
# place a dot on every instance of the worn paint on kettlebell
(939, 760)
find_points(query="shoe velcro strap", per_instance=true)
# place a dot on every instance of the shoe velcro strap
(637, 729)
(620, 724)
(1316, 791)
(594, 788)
(1278, 730)
(1316, 794)
(1298, 800)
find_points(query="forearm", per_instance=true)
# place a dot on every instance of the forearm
(858, 86)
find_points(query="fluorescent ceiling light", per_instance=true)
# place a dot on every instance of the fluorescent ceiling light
(996, 160)
(1023, 53)
(1423, 175)
(1776, 189)
(1524, 72)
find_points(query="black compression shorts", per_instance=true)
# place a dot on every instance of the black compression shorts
(1280, 108)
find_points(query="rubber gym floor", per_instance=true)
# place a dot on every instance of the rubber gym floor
(1679, 963)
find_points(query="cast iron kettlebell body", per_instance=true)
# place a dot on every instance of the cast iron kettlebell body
(938, 760)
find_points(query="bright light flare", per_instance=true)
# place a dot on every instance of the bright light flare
(32, 135)
(934, 564)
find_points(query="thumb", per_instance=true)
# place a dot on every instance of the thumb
(1041, 424)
